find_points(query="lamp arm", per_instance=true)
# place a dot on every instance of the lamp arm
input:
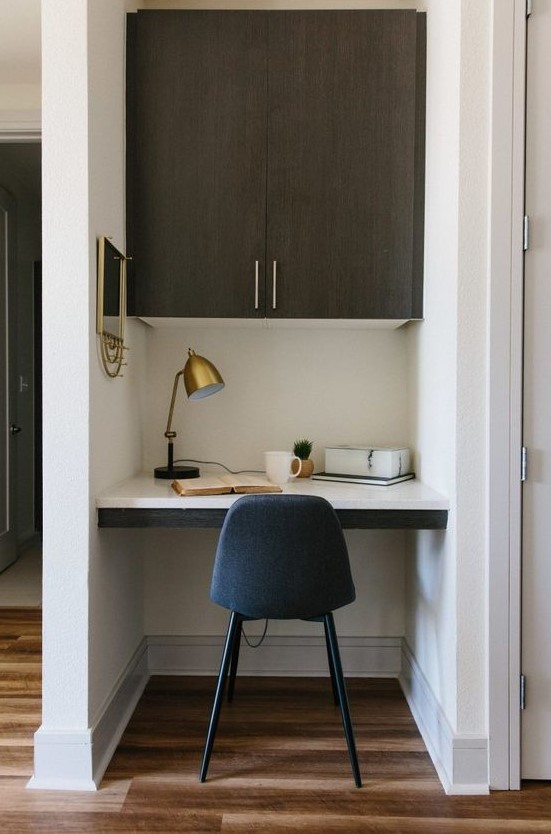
(168, 433)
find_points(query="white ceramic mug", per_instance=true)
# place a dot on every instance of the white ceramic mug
(278, 466)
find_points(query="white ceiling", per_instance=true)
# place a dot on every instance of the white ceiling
(19, 41)
(20, 36)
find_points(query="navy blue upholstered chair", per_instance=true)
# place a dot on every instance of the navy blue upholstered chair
(281, 557)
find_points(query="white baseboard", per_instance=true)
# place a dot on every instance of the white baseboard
(284, 656)
(461, 761)
(116, 714)
(62, 761)
(73, 760)
(66, 760)
(76, 761)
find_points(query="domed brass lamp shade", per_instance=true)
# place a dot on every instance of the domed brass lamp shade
(201, 379)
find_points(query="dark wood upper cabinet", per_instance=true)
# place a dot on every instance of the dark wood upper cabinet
(197, 170)
(282, 147)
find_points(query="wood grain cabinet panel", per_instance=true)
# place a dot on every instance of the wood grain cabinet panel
(287, 145)
(197, 161)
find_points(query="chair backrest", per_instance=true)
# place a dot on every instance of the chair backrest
(282, 557)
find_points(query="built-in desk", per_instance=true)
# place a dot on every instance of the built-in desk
(143, 501)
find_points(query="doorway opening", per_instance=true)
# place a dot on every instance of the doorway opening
(20, 180)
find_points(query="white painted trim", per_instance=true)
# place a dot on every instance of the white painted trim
(62, 761)
(20, 126)
(75, 760)
(279, 655)
(117, 711)
(505, 390)
(461, 761)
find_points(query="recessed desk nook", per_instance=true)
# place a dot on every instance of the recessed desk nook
(142, 501)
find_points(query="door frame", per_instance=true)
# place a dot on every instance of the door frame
(21, 128)
(505, 390)
(9, 218)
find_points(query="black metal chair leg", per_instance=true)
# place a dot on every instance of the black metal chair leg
(333, 648)
(331, 667)
(234, 662)
(233, 629)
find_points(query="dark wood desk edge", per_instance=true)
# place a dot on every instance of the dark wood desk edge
(350, 519)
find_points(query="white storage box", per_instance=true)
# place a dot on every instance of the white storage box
(377, 461)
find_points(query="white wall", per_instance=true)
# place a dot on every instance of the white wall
(20, 67)
(92, 431)
(116, 429)
(333, 386)
(446, 621)
(20, 98)
(473, 365)
(281, 384)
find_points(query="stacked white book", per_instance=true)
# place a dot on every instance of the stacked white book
(376, 465)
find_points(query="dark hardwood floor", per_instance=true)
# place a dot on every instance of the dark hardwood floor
(279, 764)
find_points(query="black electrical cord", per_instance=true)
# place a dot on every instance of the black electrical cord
(217, 463)
(259, 643)
(232, 472)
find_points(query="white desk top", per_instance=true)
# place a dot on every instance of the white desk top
(145, 492)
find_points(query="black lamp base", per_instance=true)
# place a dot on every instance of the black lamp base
(169, 473)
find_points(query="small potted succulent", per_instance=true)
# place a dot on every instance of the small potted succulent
(302, 449)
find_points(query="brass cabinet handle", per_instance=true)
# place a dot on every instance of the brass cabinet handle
(256, 285)
(274, 285)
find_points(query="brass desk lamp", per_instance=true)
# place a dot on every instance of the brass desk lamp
(201, 379)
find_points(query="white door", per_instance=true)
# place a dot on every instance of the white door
(7, 429)
(536, 546)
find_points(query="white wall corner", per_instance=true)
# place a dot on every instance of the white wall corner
(76, 760)
(461, 761)
(279, 655)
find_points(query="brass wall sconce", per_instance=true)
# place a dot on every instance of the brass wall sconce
(201, 379)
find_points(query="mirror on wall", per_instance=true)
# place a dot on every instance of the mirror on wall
(111, 305)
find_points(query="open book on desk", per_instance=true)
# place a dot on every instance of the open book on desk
(223, 484)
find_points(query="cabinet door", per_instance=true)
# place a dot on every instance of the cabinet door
(345, 134)
(196, 166)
